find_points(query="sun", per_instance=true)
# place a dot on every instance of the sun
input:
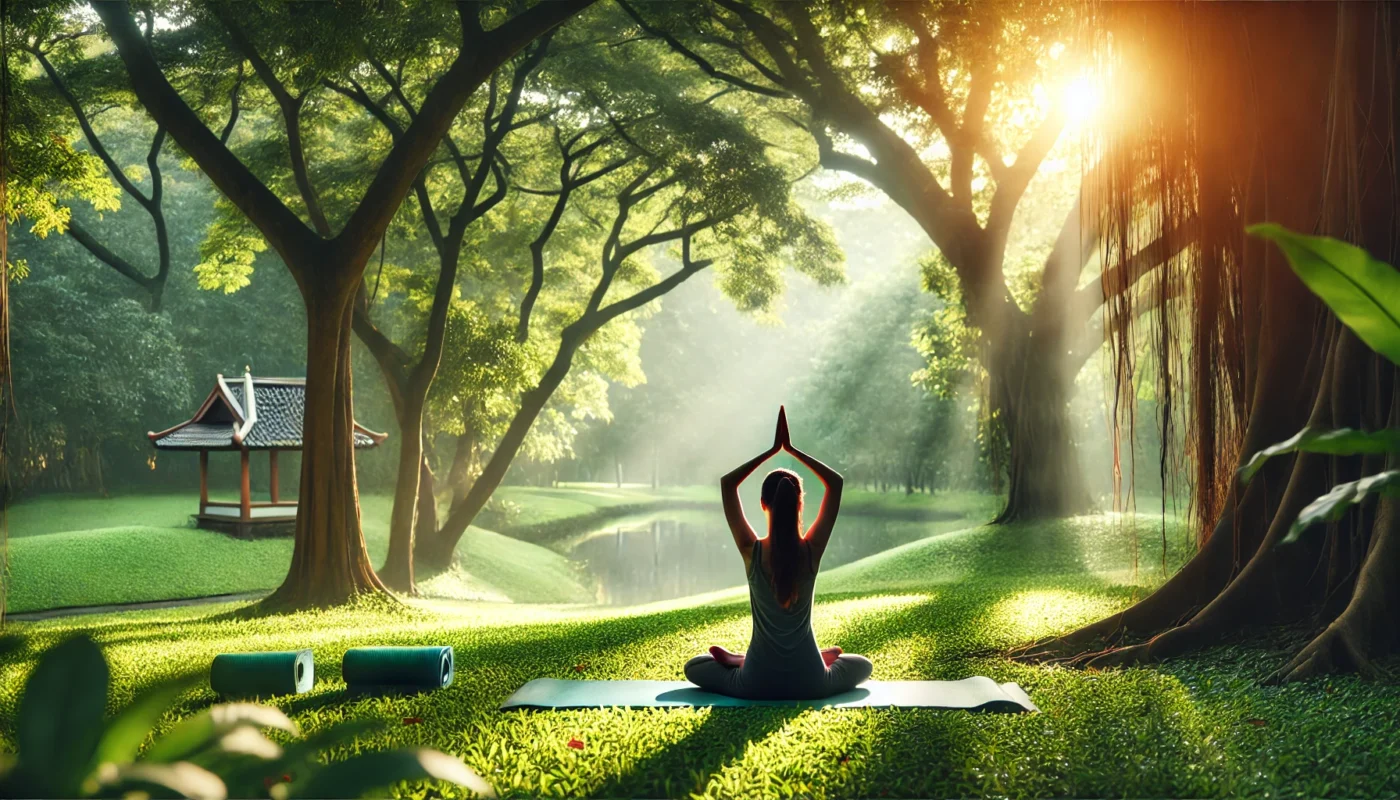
(1082, 99)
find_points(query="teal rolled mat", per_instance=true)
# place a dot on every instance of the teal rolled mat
(262, 674)
(402, 668)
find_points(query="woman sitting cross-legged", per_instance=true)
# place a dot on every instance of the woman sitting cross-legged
(783, 661)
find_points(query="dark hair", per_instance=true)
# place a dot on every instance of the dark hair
(782, 497)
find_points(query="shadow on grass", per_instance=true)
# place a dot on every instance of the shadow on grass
(686, 766)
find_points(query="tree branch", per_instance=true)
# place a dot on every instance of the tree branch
(699, 60)
(1011, 186)
(640, 298)
(80, 235)
(1124, 276)
(233, 106)
(94, 143)
(291, 116)
(287, 234)
(435, 117)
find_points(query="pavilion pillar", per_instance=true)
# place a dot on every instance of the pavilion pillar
(272, 470)
(244, 489)
(203, 480)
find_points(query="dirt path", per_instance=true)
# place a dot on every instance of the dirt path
(78, 611)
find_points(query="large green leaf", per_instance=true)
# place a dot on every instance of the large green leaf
(1340, 442)
(207, 727)
(184, 779)
(60, 717)
(129, 728)
(300, 757)
(1364, 293)
(362, 774)
(1331, 506)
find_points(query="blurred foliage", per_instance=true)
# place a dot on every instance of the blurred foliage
(67, 747)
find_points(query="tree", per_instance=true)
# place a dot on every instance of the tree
(888, 78)
(642, 163)
(1254, 131)
(410, 380)
(329, 562)
(57, 35)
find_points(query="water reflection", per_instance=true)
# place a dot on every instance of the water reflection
(660, 557)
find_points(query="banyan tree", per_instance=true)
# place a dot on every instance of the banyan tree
(1234, 114)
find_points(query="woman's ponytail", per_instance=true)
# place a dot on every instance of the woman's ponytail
(782, 496)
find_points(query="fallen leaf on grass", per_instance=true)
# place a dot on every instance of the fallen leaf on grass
(412, 720)
(580, 667)
(1258, 723)
(576, 744)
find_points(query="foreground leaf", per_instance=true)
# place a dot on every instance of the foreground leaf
(362, 774)
(1331, 506)
(122, 738)
(184, 779)
(299, 757)
(201, 730)
(60, 716)
(1364, 293)
(1340, 442)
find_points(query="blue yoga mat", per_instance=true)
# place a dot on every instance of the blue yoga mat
(262, 674)
(979, 693)
(398, 668)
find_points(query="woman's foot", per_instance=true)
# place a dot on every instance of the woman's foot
(829, 655)
(727, 658)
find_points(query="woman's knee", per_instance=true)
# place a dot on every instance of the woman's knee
(854, 669)
(697, 666)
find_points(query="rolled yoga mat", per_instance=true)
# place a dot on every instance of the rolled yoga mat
(399, 668)
(262, 674)
(978, 693)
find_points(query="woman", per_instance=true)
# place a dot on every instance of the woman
(782, 662)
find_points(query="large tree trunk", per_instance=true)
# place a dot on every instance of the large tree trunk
(1030, 390)
(329, 562)
(1305, 155)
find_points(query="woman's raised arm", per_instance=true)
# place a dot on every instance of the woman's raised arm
(744, 537)
(820, 532)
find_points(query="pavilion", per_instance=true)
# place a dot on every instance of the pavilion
(246, 415)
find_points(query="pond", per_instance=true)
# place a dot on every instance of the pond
(672, 554)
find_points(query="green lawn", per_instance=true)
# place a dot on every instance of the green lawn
(125, 562)
(1197, 727)
(78, 551)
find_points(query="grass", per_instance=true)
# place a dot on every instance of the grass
(1200, 727)
(70, 551)
(132, 563)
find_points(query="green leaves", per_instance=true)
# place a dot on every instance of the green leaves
(197, 732)
(1341, 442)
(60, 717)
(355, 777)
(1331, 506)
(1364, 293)
(66, 750)
(129, 728)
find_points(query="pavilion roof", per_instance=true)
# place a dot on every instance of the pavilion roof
(249, 413)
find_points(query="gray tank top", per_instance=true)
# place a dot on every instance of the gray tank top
(782, 659)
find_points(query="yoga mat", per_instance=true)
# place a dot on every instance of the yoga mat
(398, 667)
(262, 674)
(979, 693)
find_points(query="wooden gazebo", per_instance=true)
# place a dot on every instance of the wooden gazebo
(246, 415)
